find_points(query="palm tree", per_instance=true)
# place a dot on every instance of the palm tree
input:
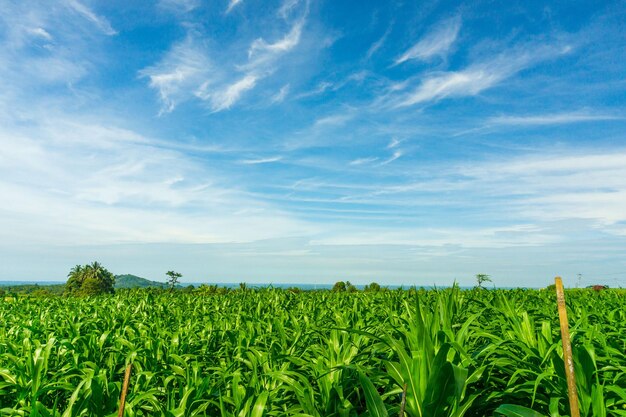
(75, 278)
(90, 279)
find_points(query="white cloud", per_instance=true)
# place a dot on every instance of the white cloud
(67, 182)
(100, 22)
(436, 43)
(262, 160)
(516, 235)
(180, 5)
(558, 187)
(396, 154)
(224, 99)
(321, 88)
(40, 32)
(378, 43)
(550, 119)
(185, 68)
(287, 8)
(260, 51)
(186, 72)
(333, 120)
(363, 161)
(479, 76)
(393, 143)
(232, 4)
(280, 96)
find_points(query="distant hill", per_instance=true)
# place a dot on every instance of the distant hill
(133, 281)
(121, 281)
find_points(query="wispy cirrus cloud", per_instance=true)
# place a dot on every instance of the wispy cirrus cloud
(551, 119)
(179, 5)
(333, 120)
(262, 160)
(374, 47)
(232, 4)
(393, 143)
(280, 96)
(396, 155)
(100, 22)
(363, 161)
(39, 44)
(40, 32)
(115, 185)
(287, 8)
(546, 188)
(224, 99)
(184, 69)
(436, 43)
(480, 76)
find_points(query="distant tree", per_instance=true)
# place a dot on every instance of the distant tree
(350, 287)
(339, 286)
(207, 289)
(373, 287)
(92, 279)
(75, 279)
(41, 293)
(482, 278)
(172, 279)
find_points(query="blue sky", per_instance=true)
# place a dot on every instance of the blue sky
(400, 142)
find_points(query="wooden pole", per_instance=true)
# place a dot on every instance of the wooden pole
(403, 402)
(567, 349)
(120, 413)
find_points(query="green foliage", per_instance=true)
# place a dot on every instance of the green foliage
(92, 279)
(341, 286)
(511, 410)
(481, 279)
(373, 287)
(269, 352)
(172, 279)
(133, 281)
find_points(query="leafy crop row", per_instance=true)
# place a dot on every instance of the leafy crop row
(275, 353)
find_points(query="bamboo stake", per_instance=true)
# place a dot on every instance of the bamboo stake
(403, 402)
(567, 349)
(120, 413)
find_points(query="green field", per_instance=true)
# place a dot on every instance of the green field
(278, 353)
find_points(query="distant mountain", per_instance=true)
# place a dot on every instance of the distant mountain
(133, 281)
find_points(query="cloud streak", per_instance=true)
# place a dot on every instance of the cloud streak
(280, 96)
(437, 43)
(232, 4)
(186, 67)
(186, 71)
(374, 47)
(550, 119)
(262, 160)
(100, 22)
(479, 76)
(226, 98)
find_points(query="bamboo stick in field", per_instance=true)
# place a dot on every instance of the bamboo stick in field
(403, 402)
(120, 413)
(567, 349)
